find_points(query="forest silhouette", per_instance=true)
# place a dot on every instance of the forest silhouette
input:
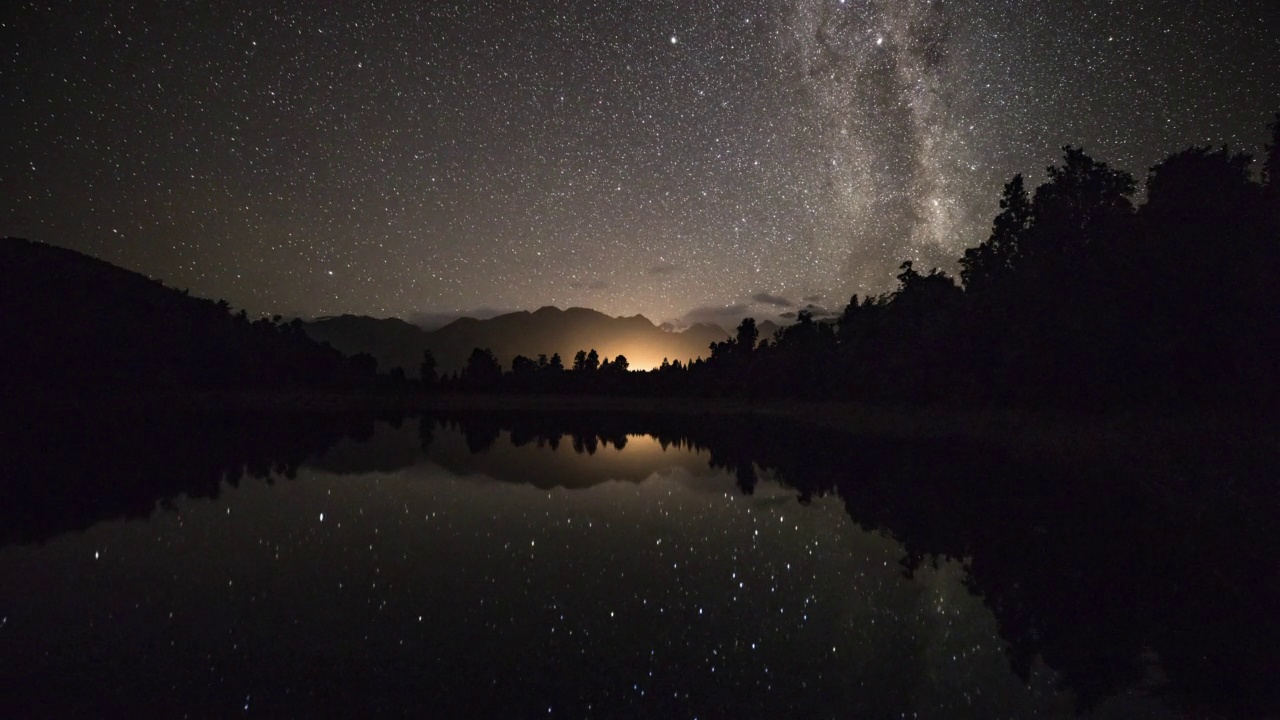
(1081, 564)
(1079, 296)
(1085, 295)
(72, 324)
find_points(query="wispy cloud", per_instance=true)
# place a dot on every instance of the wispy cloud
(724, 316)
(768, 299)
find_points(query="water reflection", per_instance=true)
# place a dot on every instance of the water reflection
(605, 566)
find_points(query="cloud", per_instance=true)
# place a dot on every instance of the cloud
(768, 299)
(708, 312)
(662, 270)
(818, 311)
(811, 299)
(725, 316)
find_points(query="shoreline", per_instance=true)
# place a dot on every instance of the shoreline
(1044, 429)
(1127, 432)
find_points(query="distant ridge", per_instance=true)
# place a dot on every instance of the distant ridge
(547, 330)
(71, 320)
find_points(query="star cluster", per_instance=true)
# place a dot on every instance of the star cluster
(668, 158)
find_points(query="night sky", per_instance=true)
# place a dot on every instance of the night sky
(684, 160)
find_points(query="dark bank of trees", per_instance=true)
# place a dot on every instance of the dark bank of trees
(70, 323)
(69, 465)
(587, 374)
(1080, 295)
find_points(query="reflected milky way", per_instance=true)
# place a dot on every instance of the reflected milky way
(666, 592)
(509, 561)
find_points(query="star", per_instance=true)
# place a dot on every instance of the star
(505, 157)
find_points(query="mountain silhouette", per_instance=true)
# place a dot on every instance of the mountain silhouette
(70, 322)
(394, 342)
(548, 330)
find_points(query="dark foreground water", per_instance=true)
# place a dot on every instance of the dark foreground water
(526, 567)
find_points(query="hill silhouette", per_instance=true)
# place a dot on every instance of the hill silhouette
(75, 323)
(548, 330)
(394, 342)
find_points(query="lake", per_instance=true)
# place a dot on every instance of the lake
(571, 566)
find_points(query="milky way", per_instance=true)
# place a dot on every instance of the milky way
(877, 73)
(681, 160)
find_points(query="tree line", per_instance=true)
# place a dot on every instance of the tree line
(74, 324)
(1080, 295)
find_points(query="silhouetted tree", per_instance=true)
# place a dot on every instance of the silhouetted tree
(482, 372)
(1271, 165)
(993, 262)
(1202, 201)
(747, 336)
(1084, 206)
(528, 375)
(523, 367)
(427, 370)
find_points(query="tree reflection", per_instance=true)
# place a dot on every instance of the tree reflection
(1083, 565)
(1082, 561)
(67, 468)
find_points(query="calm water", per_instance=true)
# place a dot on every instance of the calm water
(482, 570)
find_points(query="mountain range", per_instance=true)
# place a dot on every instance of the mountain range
(546, 331)
(68, 319)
